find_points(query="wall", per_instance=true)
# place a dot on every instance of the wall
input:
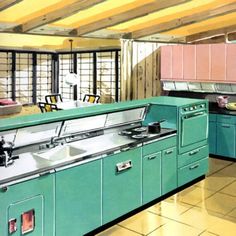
(140, 73)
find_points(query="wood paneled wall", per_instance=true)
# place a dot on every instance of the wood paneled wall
(140, 70)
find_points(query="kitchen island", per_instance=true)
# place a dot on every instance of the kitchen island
(83, 167)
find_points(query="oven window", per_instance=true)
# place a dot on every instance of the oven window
(194, 129)
(27, 221)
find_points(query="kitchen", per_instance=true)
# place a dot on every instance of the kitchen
(40, 152)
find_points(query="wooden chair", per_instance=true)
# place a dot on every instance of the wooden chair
(47, 107)
(92, 98)
(53, 98)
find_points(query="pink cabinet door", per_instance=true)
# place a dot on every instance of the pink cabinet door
(231, 62)
(177, 62)
(218, 62)
(166, 62)
(189, 62)
(203, 62)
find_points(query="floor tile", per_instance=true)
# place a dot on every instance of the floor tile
(217, 164)
(219, 202)
(176, 229)
(117, 231)
(169, 208)
(193, 195)
(230, 218)
(215, 182)
(223, 227)
(230, 189)
(199, 218)
(229, 171)
(232, 213)
(144, 222)
(207, 233)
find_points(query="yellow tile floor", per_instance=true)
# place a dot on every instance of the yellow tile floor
(207, 208)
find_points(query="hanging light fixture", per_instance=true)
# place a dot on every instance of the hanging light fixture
(71, 78)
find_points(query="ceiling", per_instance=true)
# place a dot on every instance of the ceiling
(104, 22)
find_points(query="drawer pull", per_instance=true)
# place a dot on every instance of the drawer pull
(169, 151)
(194, 167)
(194, 152)
(123, 166)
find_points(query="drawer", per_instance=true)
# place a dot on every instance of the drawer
(159, 145)
(212, 117)
(192, 156)
(226, 119)
(192, 171)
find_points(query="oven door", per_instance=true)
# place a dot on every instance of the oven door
(194, 128)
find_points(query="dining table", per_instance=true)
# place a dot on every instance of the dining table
(70, 104)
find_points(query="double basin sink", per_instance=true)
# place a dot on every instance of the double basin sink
(59, 153)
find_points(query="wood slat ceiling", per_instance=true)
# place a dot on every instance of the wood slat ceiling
(162, 20)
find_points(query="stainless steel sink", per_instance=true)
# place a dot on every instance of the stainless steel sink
(59, 153)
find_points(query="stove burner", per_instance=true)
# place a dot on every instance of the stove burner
(140, 129)
(139, 136)
(125, 132)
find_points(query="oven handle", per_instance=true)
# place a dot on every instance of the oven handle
(193, 115)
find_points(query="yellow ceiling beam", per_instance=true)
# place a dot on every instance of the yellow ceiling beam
(127, 14)
(187, 20)
(27, 9)
(176, 12)
(29, 41)
(4, 4)
(57, 14)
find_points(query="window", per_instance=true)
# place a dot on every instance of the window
(64, 68)
(98, 72)
(85, 72)
(24, 78)
(44, 75)
(5, 74)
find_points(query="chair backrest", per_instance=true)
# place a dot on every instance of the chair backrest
(53, 98)
(47, 107)
(92, 98)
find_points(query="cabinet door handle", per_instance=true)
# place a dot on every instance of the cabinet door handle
(169, 151)
(152, 157)
(193, 152)
(225, 126)
(4, 189)
(123, 166)
(194, 167)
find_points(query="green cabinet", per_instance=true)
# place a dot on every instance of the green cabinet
(212, 133)
(159, 168)
(28, 207)
(226, 139)
(78, 199)
(169, 170)
(151, 177)
(222, 131)
(121, 183)
(192, 171)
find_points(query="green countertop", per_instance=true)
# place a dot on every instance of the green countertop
(42, 118)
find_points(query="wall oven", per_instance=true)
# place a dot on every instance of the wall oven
(193, 126)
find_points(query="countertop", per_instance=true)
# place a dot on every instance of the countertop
(28, 166)
(214, 109)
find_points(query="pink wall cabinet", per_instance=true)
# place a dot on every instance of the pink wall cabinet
(177, 62)
(189, 62)
(203, 62)
(166, 62)
(231, 62)
(218, 62)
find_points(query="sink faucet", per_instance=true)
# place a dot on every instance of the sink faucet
(55, 141)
